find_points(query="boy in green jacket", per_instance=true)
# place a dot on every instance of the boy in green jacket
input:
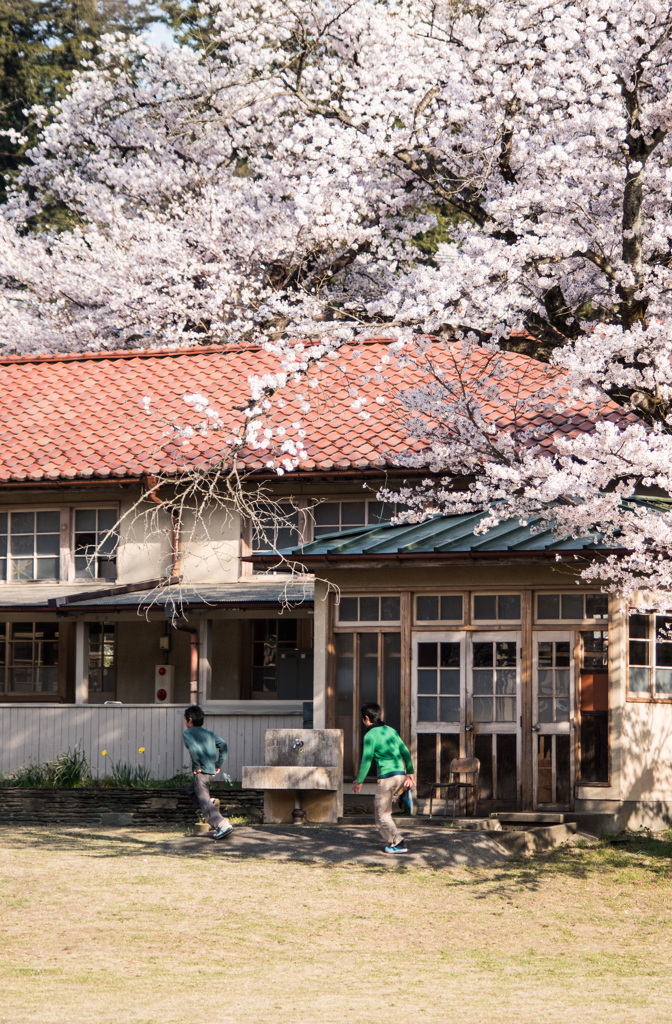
(385, 746)
(208, 753)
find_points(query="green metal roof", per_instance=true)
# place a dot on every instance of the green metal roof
(443, 535)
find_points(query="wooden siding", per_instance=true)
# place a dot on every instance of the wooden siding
(41, 733)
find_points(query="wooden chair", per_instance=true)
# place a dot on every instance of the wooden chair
(459, 766)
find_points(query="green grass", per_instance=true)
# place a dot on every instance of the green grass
(109, 926)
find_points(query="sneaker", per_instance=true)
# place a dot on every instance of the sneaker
(225, 830)
(396, 849)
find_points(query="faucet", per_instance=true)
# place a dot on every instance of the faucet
(297, 744)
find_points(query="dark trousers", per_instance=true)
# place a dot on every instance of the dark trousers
(199, 790)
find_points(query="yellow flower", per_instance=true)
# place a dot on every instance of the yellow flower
(103, 752)
(141, 750)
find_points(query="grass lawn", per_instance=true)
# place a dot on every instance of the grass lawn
(101, 926)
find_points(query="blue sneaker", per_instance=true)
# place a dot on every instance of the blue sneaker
(396, 849)
(225, 830)
(407, 802)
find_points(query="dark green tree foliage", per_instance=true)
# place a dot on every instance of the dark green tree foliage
(40, 47)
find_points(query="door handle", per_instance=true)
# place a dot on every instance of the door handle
(536, 728)
(468, 728)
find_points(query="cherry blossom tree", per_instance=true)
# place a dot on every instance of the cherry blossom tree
(284, 180)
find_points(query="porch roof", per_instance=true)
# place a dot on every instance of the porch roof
(172, 599)
(441, 537)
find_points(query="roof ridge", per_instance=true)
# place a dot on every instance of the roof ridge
(160, 353)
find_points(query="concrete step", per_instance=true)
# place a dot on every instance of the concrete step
(531, 818)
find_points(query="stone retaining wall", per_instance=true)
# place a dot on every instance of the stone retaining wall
(116, 806)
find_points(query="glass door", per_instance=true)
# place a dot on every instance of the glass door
(493, 715)
(438, 712)
(552, 719)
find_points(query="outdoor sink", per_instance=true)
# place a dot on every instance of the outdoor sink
(291, 777)
(302, 779)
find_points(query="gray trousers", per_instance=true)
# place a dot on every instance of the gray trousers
(386, 790)
(199, 790)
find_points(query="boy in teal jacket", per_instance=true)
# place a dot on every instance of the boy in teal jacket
(208, 754)
(385, 746)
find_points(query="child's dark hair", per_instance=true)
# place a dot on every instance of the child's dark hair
(372, 712)
(195, 713)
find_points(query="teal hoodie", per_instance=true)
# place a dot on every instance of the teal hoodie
(208, 751)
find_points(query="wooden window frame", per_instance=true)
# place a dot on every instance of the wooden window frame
(640, 698)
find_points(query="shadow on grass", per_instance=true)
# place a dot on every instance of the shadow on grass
(631, 855)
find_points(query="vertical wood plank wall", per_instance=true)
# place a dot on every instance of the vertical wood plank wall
(39, 734)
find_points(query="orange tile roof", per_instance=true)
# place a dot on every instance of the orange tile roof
(80, 417)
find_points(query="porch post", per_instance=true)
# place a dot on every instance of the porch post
(81, 663)
(527, 738)
(321, 640)
(204, 659)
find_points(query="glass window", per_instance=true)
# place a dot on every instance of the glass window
(438, 680)
(278, 533)
(96, 543)
(439, 608)
(369, 609)
(30, 545)
(29, 657)
(492, 607)
(650, 656)
(101, 661)
(494, 680)
(334, 516)
(575, 607)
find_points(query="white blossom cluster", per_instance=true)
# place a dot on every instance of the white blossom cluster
(283, 185)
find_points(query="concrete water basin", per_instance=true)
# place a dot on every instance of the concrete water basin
(283, 776)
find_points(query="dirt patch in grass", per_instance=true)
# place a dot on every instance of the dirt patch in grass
(106, 926)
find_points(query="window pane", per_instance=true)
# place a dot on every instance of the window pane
(562, 682)
(47, 568)
(509, 606)
(427, 681)
(84, 567)
(572, 606)
(347, 609)
(482, 709)
(85, 519)
(485, 606)
(449, 709)
(506, 653)
(48, 543)
(22, 569)
(450, 681)
(545, 705)
(390, 609)
(482, 655)
(450, 655)
(638, 626)
(639, 652)
(505, 708)
(380, 512)
(639, 680)
(562, 653)
(451, 608)
(427, 709)
(545, 682)
(483, 682)
(545, 654)
(663, 681)
(22, 544)
(597, 606)
(664, 655)
(427, 608)
(505, 680)
(562, 709)
(48, 522)
(427, 655)
(353, 513)
(107, 519)
(23, 522)
(548, 606)
(369, 609)
(3, 522)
